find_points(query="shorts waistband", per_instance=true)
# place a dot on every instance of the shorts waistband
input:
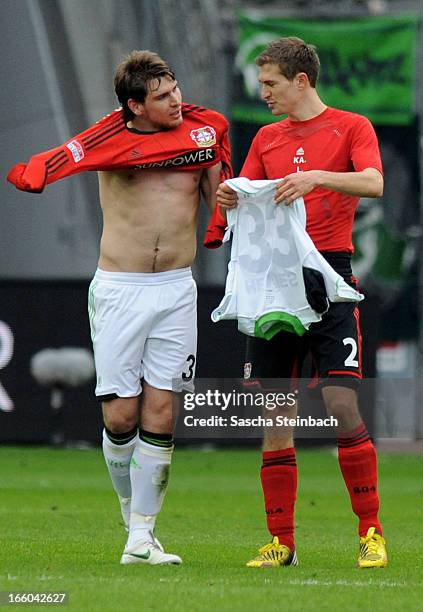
(144, 278)
(340, 262)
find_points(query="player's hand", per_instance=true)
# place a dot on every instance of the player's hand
(226, 197)
(296, 185)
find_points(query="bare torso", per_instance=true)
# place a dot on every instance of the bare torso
(150, 218)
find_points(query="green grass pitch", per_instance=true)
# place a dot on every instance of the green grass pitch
(61, 531)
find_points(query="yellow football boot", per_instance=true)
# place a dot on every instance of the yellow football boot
(274, 555)
(372, 550)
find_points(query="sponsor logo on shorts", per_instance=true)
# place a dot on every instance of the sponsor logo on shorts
(76, 149)
(247, 370)
(204, 136)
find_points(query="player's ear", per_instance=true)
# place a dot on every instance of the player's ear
(136, 107)
(302, 80)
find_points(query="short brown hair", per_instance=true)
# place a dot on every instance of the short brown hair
(292, 55)
(133, 75)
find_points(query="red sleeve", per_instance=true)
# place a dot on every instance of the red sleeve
(365, 147)
(253, 168)
(216, 228)
(89, 150)
(215, 231)
(225, 154)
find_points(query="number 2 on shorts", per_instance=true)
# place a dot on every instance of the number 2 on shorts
(351, 359)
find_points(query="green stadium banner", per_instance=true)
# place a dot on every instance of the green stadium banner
(367, 64)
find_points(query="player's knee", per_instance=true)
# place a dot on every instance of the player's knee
(120, 415)
(119, 424)
(340, 401)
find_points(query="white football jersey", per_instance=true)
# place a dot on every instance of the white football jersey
(265, 289)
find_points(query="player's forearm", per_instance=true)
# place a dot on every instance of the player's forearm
(367, 183)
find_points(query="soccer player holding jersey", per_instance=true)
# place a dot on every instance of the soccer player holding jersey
(331, 159)
(155, 156)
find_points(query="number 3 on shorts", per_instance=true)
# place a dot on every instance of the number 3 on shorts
(191, 363)
(351, 360)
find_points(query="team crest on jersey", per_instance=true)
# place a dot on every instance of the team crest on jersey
(76, 149)
(204, 136)
(247, 370)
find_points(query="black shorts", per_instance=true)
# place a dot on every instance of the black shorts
(334, 344)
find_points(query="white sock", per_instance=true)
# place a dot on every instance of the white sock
(118, 459)
(149, 477)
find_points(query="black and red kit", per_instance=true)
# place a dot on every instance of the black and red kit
(334, 141)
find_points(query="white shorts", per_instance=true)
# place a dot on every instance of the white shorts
(143, 326)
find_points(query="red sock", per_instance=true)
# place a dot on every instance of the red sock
(358, 463)
(279, 482)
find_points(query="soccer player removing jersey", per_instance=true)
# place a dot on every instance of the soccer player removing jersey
(155, 156)
(331, 159)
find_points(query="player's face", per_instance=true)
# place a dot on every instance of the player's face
(281, 95)
(162, 105)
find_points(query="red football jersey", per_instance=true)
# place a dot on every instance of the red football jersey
(335, 141)
(200, 141)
